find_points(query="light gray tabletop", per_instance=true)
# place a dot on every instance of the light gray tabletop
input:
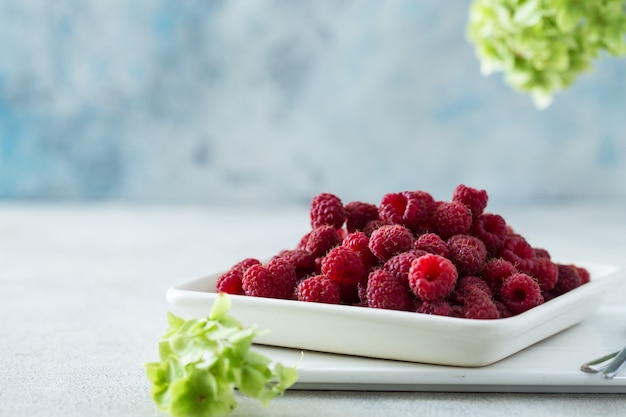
(83, 305)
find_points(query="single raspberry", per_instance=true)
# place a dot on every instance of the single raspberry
(475, 200)
(546, 273)
(389, 240)
(384, 291)
(569, 278)
(373, 225)
(321, 240)
(433, 243)
(451, 218)
(520, 292)
(302, 261)
(358, 214)
(468, 253)
(432, 277)
(478, 305)
(496, 270)
(467, 285)
(359, 243)
(409, 208)
(491, 229)
(518, 251)
(318, 289)
(327, 209)
(399, 266)
(435, 307)
(277, 279)
(230, 281)
(344, 266)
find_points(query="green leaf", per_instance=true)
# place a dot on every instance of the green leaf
(528, 14)
(221, 306)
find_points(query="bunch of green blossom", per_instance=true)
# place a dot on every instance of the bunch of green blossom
(542, 46)
(203, 361)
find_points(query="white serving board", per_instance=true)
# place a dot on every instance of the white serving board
(552, 365)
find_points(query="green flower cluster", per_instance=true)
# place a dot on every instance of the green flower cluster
(542, 46)
(202, 361)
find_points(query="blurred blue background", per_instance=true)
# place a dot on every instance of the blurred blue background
(271, 102)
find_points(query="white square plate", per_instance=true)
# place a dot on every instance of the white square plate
(399, 335)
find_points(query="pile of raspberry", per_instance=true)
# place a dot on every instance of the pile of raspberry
(411, 253)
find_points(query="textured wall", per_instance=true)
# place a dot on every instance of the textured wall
(274, 101)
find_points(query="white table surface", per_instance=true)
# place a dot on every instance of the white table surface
(82, 304)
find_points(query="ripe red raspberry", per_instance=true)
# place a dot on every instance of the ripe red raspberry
(569, 278)
(318, 289)
(358, 214)
(451, 218)
(344, 266)
(384, 291)
(468, 253)
(359, 243)
(491, 229)
(584, 275)
(478, 305)
(546, 273)
(433, 243)
(432, 277)
(399, 266)
(496, 270)
(520, 292)
(230, 281)
(518, 251)
(467, 285)
(389, 240)
(321, 240)
(409, 208)
(302, 261)
(436, 308)
(475, 200)
(541, 253)
(327, 209)
(277, 279)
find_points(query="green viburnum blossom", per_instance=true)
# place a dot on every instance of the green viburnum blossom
(542, 46)
(202, 362)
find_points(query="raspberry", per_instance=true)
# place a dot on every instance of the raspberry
(468, 253)
(475, 200)
(389, 240)
(358, 242)
(491, 229)
(478, 305)
(467, 285)
(399, 266)
(433, 243)
(343, 266)
(546, 273)
(568, 279)
(518, 251)
(327, 209)
(318, 289)
(409, 208)
(373, 225)
(496, 270)
(541, 253)
(449, 219)
(277, 279)
(358, 214)
(520, 292)
(230, 281)
(321, 240)
(432, 277)
(302, 261)
(584, 275)
(435, 307)
(384, 291)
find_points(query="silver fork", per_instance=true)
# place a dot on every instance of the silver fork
(609, 365)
